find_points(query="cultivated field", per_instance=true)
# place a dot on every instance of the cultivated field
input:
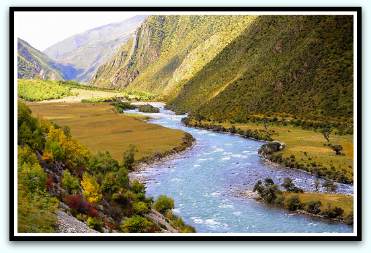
(100, 128)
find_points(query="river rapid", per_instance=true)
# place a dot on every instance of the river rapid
(206, 182)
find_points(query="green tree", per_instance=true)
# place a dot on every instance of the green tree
(70, 183)
(137, 224)
(163, 204)
(128, 157)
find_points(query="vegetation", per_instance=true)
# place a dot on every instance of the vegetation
(148, 108)
(163, 204)
(331, 206)
(53, 167)
(38, 90)
(113, 132)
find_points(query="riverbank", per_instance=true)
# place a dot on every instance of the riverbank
(304, 149)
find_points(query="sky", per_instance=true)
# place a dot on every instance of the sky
(43, 29)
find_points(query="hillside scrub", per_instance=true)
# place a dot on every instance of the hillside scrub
(53, 167)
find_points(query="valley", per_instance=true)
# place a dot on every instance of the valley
(192, 123)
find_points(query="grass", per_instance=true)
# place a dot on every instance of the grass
(307, 147)
(99, 128)
(38, 90)
(334, 200)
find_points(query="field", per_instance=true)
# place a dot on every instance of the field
(38, 90)
(334, 200)
(99, 128)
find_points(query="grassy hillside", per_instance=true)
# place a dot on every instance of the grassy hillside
(299, 66)
(168, 50)
(34, 64)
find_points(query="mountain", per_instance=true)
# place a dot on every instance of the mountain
(167, 51)
(34, 64)
(298, 65)
(88, 50)
(231, 67)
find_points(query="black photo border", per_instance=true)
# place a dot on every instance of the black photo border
(209, 237)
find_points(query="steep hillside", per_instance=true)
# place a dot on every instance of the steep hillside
(34, 64)
(296, 65)
(88, 50)
(167, 51)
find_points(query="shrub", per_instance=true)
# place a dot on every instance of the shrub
(137, 224)
(148, 108)
(163, 204)
(313, 207)
(70, 183)
(332, 212)
(91, 188)
(137, 187)
(102, 162)
(95, 223)
(293, 203)
(140, 207)
(290, 186)
(268, 191)
(128, 157)
(329, 186)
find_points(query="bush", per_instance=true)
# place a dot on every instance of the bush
(293, 203)
(95, 223)
(148, 108)
(70, 183)
(313, 207)
(103, 162)
(268, 191)
(332, 212)
(140, 207)
(137, 224)
(163, 204)
(128, 158)
(290, 186)
(121, 106)
(329, 186)
(91, 189)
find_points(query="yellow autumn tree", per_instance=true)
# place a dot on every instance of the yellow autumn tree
(91, 188)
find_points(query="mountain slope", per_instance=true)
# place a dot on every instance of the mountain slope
(88, 50)
(34, 64)
(298, 65)
(167, 51)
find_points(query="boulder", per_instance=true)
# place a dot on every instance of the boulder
(271, 147)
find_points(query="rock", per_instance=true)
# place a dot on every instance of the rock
(69, 224)
(271, 147)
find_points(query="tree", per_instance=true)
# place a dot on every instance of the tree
(330, 186)
(317, 184)
(268, 191)
(290, 186)
(128, 157)
(293, 203)
(91, 189)
(337, 148)
(163, 204)
(137, 224)
(140, 207)
(70, 183)
(326, 133)
(314, 206)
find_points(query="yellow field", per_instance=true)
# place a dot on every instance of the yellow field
(335, 200)
(99, 128)
(80, 94)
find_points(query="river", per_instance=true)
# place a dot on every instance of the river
(206, 181)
